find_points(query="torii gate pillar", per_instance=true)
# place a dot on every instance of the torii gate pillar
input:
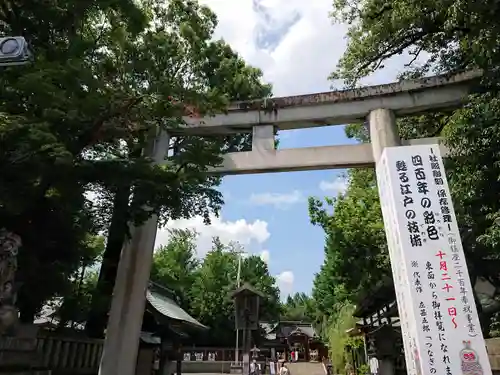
(383, 133)
(121, 344)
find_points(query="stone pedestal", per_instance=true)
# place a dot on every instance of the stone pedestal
(15, 351)
(386, 367)
(236, 368)
(20, 354)
(246, 364)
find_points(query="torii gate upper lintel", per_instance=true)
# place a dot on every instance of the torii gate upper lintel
(336, 107)
(327, 108)
(379, 105)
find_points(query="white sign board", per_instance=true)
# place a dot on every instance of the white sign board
(439, 321)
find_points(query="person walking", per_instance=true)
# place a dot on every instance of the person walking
(254, 367)
(284, 370)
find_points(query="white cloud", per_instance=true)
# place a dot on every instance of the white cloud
(246, 233)
(305, 44)
(249, 234)
(285, 282)
(294, 42)
(265, 255)
(338, 185)
(278, 200)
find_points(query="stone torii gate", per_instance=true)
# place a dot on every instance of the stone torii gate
(378, 105)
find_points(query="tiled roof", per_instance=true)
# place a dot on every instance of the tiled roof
(287, 328)
(167, 307)
(150, 338)
(304, 330)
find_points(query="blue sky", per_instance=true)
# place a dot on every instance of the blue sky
(296, 46)
(281, 200)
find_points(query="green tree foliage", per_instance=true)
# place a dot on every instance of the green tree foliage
(356, 254)
(204, 286)
(355, 251)
(256, 272)
(105, 77)
(454, 36)
(355, 237)
(337, 337)
(300, 307)
(189, 68)
(473, 172)
(217, 278)
(450, 37)
(76, 301)
(175, 265)
(76, 298)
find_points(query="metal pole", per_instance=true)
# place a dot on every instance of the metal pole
(238, 281)
(246, 346)
(238, 276)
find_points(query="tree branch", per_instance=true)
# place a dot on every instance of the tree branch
(92, 135)
(415, 56)
(395, 47)
(385, 8)
(389, 51)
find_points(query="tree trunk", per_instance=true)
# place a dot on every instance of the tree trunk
(101, 298)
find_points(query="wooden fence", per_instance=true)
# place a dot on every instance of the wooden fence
(81, 356)
(61, 355)
(70, 355)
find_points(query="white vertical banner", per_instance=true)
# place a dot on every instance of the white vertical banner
(398, 268)
(439, 320)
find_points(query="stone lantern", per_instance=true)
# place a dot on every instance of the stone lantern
(246, 305)
(255, 352)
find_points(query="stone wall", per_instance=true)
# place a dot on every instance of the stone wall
(493, 347)
(213, 367)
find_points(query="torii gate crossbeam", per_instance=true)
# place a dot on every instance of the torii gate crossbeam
(262, 117)
(378, 104)
(337, 107)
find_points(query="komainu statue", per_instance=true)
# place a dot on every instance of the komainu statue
(9, 247)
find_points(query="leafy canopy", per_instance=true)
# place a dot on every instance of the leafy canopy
(107, 75)
(204, 285)
(447, 36)
(300, 307)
